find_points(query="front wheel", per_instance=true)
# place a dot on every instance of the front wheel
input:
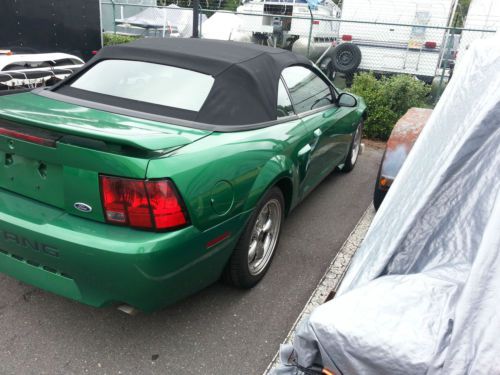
(354, 150)
(253, 253)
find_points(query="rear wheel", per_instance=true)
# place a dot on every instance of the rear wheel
(354, 150)
(254, 251)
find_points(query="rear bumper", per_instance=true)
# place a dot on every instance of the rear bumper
(99, 264)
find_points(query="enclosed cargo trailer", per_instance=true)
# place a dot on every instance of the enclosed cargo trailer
(71, 26)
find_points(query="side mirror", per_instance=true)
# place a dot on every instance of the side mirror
(347, 100)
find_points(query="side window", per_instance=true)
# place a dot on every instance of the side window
(284, 104)
(307, 89)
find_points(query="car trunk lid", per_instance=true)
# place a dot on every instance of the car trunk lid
(54, 152)
(50, 114)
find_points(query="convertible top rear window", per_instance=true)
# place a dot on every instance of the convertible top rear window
(201, 81)
(147, 82)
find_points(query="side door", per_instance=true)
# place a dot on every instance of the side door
(314, 101)
(301, 139)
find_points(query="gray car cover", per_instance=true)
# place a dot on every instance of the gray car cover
(422, 293)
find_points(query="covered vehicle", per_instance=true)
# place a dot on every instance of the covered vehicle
(170, 21)
(162, 165)
(222, 26)
(420, 296)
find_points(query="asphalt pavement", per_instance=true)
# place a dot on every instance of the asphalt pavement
(220, 330)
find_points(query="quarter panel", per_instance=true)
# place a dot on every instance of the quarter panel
(248, 161)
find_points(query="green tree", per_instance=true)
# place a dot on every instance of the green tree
(461, 14)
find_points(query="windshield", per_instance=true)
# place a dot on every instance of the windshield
(147, 82)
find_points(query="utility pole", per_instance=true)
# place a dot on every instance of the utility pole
(196, 18)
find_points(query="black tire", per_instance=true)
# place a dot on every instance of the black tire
(350, 162)
(346, 58)
(378, 197)
(237, 271)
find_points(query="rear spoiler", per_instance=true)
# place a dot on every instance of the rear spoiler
(149, 141)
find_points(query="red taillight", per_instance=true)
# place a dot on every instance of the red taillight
(28, 137)
(347, 38)
(315, 22)
(165, 204)
(430, 45)
(152, 204)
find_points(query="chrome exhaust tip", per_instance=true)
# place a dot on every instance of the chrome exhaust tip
(127, 309)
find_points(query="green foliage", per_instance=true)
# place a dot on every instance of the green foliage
(112, 39)
(387, 100)
(461, 14)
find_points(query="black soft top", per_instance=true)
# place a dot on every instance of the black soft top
(246, 77)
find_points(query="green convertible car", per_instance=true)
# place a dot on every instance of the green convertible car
(163, 165)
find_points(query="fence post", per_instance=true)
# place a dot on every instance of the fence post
(200, 19)
(447, 55)
(113, 6)
(196, 17)
(310, 31)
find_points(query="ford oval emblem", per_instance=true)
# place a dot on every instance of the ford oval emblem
(82, 207)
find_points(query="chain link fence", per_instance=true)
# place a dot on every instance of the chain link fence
(340, 47)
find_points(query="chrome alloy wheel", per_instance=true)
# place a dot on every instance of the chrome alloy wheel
(264, 236)
(356, 145)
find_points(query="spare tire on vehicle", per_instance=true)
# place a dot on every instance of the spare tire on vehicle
(346, 58)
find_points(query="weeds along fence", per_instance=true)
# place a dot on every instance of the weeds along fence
(340, 47)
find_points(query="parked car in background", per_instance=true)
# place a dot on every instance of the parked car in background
(113, 192)
(399, 145)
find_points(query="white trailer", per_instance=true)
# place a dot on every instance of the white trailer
(396, 36)
(287, 24)
(483, 15)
